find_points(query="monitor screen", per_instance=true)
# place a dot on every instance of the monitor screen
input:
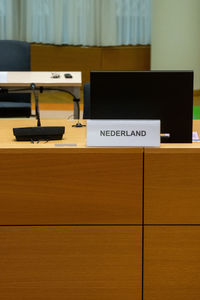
(161, 95)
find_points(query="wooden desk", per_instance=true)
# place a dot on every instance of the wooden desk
(81, 211)
(45, 81)
(172, 222)
(97, 223)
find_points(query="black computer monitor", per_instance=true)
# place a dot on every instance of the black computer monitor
(162, 95)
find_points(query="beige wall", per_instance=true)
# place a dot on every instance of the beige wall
(176, 36)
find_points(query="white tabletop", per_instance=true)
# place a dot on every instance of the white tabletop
(45, 79)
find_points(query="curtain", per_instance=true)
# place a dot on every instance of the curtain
(133, 22)
(77, 22)
(74, 22)
(9, 19)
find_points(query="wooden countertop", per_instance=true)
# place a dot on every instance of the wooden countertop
(73, 137)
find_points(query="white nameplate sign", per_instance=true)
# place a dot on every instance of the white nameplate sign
(138, 133)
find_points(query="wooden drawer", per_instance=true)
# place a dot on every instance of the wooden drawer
(70, 186)
(172, 186)
(171, 262)
(70, 262)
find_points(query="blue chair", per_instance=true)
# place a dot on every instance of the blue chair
(15, 56)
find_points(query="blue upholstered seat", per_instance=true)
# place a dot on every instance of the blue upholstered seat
(15, 56)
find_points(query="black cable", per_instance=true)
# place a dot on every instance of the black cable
(37, 112)
(78, 124)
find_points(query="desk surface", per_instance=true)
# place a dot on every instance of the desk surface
(73, 137)
(19, 79)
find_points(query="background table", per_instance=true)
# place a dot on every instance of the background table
(44, 81)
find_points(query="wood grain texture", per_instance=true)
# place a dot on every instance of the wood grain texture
(126, 58)
(171, 186)
(86, 59)
(72, 136)
(171, 262)
(47, 184)
(95, 262)
(61, 188)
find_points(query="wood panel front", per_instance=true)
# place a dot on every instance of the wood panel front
(86, 59)
(171, 262)
(70, 262)
(171, 186)
(70, 186)
(126, 58)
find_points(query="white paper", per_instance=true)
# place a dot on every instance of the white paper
(3, 77)
(195, 136)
